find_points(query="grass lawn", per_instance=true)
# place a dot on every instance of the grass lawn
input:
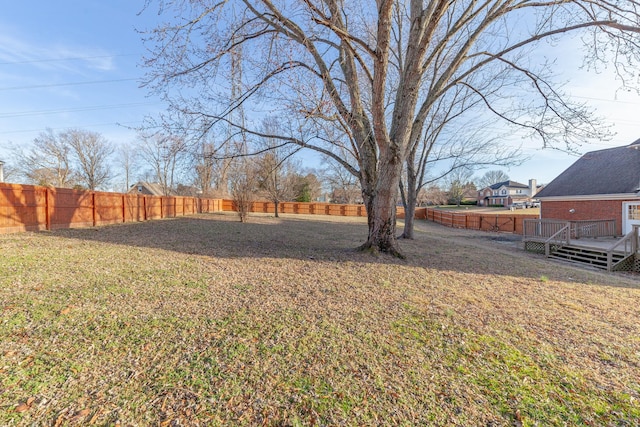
(206, 321)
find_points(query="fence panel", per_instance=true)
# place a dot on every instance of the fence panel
(71, 208)
(479, 221)
(22, 208)
(109, 208)
(153, 207)
(33, 208)
(133, 208)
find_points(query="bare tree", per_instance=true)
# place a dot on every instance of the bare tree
(92, 153)
(275, 178)
(378, 71)
(47, 162)
(275, 168)
(344, 186)
(164, 154)
(432, 195)
(307, 188)
(459, 184)
(450, 141)
(492, 177)
(9, 172)
(127, 157)
(204, 167)
(244, 185)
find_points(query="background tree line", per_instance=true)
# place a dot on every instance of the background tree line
(83, 159)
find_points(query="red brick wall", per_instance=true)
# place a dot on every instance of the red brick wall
(584, 210)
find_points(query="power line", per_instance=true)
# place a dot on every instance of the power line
(74, 110)
(606, 100)
(77, 58)
(68, 127)
(66, 84)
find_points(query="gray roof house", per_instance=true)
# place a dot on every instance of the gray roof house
(507, 192)
(610, 171)
(148, 188)
(600, 185)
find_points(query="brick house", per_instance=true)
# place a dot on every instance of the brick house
(603, 184)
(506, 193)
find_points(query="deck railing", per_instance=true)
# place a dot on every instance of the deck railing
(593, 228)
(542, 229)
(629, 245)
(558, 239)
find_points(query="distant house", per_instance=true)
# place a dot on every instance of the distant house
(507, 192)
(603, 184)
(149, 189)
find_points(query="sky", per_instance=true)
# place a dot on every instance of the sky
(76, 64)
(72, 64)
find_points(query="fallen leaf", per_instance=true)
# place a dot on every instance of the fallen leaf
(79, 415)
(23, 407)
(65, 310)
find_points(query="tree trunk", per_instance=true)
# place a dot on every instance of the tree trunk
(409, 215)
(276, 203)
(411, 197)
(381, 208)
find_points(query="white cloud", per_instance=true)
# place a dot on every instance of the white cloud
(78, 59)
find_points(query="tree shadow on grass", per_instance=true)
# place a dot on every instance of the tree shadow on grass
(334, 239)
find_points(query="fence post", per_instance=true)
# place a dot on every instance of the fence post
(124, 208)
(47, 210)
(93, 202)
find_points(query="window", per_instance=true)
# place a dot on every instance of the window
(504, 191)
(634, 212)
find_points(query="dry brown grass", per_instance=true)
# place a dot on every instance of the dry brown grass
(206, 321)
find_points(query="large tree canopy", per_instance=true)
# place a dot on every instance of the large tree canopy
(375, 71)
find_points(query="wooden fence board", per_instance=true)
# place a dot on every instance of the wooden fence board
(478, 221)
(33, 208)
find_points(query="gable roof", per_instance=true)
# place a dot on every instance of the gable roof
(509, 183)
(152, 188)
(610, 171)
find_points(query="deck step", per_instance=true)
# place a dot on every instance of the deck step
(593, 257)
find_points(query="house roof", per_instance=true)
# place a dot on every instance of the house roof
(512, 184)
(152, 188)
(610, 171)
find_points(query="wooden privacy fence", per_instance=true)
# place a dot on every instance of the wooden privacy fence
(305, 208)
(479, 221)
(32, 208)
(313, 208)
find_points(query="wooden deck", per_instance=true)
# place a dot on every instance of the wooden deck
(601, 243)
(591, 242)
